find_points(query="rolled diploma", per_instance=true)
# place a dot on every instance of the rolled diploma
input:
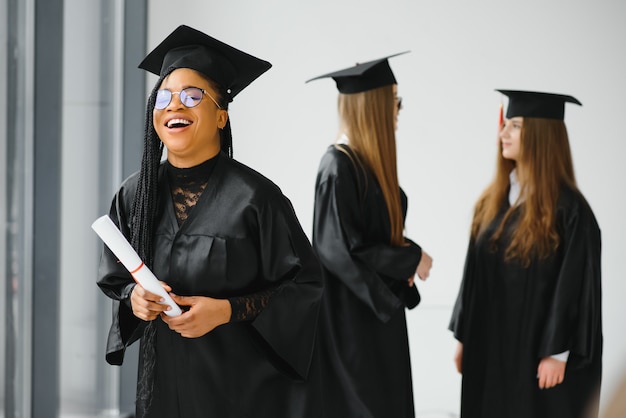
(117, 243)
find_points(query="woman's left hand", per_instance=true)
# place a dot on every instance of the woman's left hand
(550, 372)
(411, 281)
(424, 266)
(204, 315)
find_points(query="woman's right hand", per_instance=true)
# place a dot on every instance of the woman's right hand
(145, 304)
(423, 268)
(458, 358)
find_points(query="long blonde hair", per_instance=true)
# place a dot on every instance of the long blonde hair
(368, 118)
(544, 165)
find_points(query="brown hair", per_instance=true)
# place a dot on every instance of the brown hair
(544, 165)
(368, 118)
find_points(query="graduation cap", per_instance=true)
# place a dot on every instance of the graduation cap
(186, 47)
(534, 104)
(363, 77)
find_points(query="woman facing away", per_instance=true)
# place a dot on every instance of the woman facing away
(226, 244)
(369, 266)
(528, 313)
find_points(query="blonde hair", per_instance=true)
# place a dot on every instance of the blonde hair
(544, 166)
(368, 118)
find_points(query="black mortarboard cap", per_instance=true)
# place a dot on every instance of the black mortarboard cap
(186, 47)
(534, 104)
(363, 77)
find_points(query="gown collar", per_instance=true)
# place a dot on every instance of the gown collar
(343, 139)
(514, 189)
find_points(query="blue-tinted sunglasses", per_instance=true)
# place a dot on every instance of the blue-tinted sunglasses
(189, 97)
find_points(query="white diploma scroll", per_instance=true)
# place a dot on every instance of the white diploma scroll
(117, 243)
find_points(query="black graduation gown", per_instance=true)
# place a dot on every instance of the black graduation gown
(364, 345)
(242, 236)
(509, 317)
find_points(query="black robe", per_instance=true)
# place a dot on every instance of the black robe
(364, 345)
(509, 317)
(242, 236)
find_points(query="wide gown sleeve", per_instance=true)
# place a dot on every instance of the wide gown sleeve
(288, 323)
(340, 240)
(456, 322)
(116, 282)
(574, 320)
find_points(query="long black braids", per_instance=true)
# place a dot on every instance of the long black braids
(226, 136)
(143, 214)
(143, 211)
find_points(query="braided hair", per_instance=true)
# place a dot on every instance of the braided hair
(226, 136)
(143, 219)
(141, 233)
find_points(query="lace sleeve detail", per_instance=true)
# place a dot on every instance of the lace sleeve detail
(248, 307)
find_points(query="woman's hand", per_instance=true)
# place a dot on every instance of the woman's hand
(145, 304)
(423, 268)
(204, 315)
(458, 358)
(550, 372)
(411, 281)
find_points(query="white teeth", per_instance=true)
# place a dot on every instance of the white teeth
(178, 122)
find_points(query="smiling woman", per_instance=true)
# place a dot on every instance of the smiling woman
(187, 125)
(228, 247)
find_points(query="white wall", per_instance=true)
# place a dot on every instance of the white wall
(461, 52)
